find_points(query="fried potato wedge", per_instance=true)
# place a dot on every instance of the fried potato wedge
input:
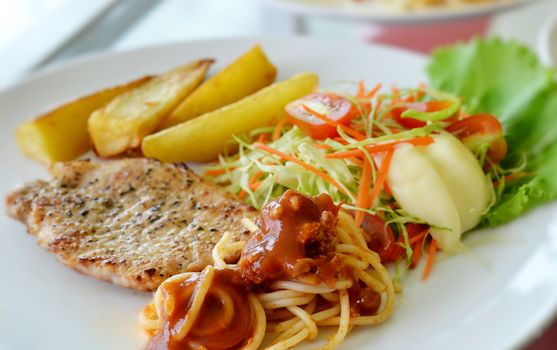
(203, 138)
(248, 74)
(126, 120)
(61, 134)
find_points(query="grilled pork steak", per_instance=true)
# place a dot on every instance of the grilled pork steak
(133, 222)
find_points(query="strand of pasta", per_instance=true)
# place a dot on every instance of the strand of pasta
(290, 342)
(149, 320)
(306, 319)
(343, 324)
(316, 317)
(275, 304)
(221, 249)
(280, 295)
(260, 324)
(250, 225)
(351, 227)
(308, 288)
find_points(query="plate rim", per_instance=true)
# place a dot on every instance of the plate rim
(103, 54)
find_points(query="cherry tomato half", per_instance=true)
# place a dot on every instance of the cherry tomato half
(398, 250)
(429, 106)
(381, 239)
(480, 129)
(332, 106)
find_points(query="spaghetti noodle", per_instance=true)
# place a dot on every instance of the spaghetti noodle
(306, 266)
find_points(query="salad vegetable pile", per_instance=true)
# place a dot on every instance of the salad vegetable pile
(417, 166)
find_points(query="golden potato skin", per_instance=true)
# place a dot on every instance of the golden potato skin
(61, 134)
(203, 138)
(126, 120)
(248, 74)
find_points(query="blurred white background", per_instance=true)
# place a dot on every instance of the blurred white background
(37, 33)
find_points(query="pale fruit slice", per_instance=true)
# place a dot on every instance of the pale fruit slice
(421, 192)
(463, 177)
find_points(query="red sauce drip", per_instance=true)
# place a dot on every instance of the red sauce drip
(296, 236)
(210, 329)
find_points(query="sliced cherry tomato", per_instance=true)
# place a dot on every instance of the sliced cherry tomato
(480, 129)
(429, 106)
(399, 251)
(415, 229)
(332, 106)
(381, 239)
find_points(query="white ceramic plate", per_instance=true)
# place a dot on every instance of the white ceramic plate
(547, 42)
(374, 11)
(495, 297)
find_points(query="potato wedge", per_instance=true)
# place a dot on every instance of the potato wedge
(126, 120)
(248, 74)
(61, 134)
(203, 138)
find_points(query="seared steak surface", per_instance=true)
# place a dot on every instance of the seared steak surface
(133, 222)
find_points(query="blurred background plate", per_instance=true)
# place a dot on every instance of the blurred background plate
(375, 11)
(421, 29)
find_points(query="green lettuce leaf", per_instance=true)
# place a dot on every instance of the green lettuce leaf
(506, 79)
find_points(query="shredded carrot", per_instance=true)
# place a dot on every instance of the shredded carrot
(409, 99)
(416, 254)
(514, 177)
(215, 172)
(356, 161)
(255, 176)
(253, 183)
(381, 177)
(354, 133)
(395, 91)
(422, 87)
(418, 242)
(361, 89)
(304, 165)
(242, 194)
(373, 91)
(387, 189)
(388, 146)
(278, 129)
(420, 92)
(340, 140)
(363, 191)
(418, 237)
(378, 105)
(321, 146)
(263, 138)
(393, 129)
(430, 259)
